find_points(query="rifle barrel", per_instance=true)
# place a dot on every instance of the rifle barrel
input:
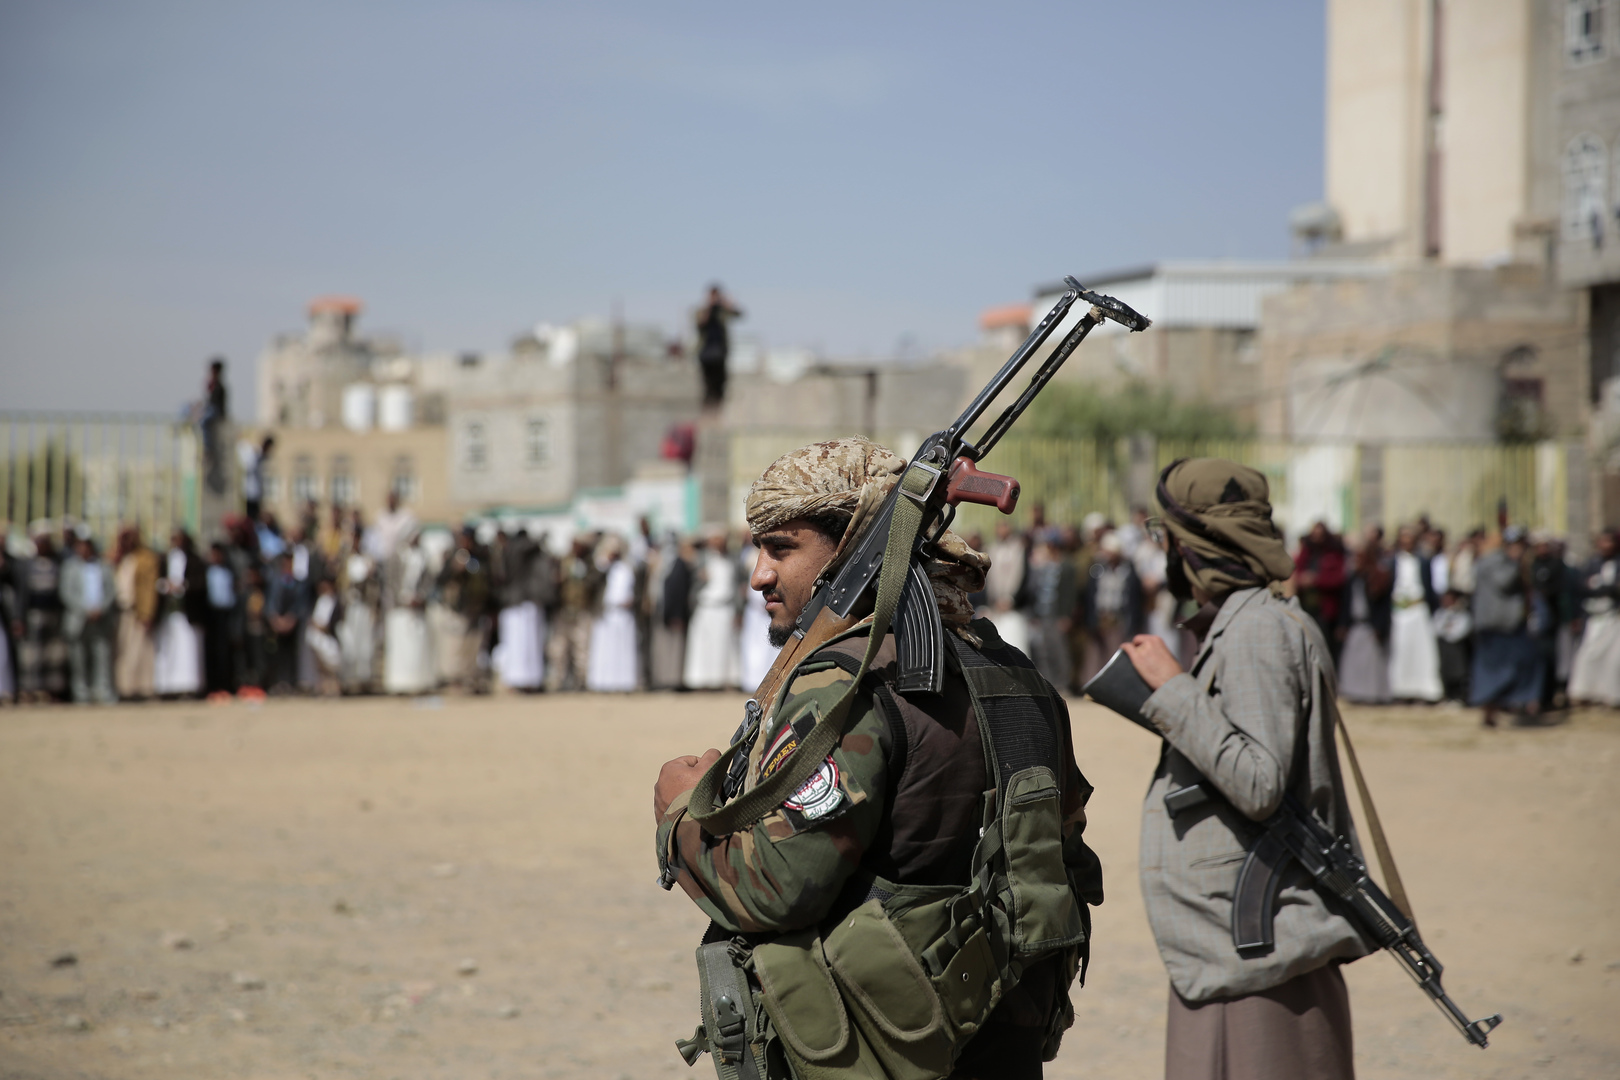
(1037, 337)
(1037, 383)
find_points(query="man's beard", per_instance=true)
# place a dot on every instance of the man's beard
(777, 635)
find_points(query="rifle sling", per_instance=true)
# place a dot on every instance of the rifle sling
(743, 811)
(1386, 859)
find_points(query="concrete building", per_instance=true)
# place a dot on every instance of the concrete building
(551, 419)
(1425, 354)
(768, 415)
(1469, 150)
(1456, 285)
(1206, 315)
(566, 411)
(574, 427)
(1585, 48)
(302, 376)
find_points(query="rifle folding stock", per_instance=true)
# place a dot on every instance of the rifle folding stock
(1293, 834)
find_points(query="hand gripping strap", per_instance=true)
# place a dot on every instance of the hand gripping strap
(743, 811)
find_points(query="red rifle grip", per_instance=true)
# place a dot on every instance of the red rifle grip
(968, 484)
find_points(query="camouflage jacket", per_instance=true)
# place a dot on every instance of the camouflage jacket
(789, 869)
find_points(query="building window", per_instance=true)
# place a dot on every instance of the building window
(1586, 183)
(1521, 409)
(536, 450)
(403, 481)
(1522, 416)
(306, 486)
(1583, 30)
(475, 446)
(345, 490)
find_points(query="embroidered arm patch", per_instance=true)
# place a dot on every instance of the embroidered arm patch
(827, 794)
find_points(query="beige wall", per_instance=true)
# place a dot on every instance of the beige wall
(1214, 364)
(1485, 135)
(595, 436)
(372, 456)
(1492, 82)
(1444, 336)
(1375, 120)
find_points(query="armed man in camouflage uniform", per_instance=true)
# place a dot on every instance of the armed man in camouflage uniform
(899, 800)
(579, 600)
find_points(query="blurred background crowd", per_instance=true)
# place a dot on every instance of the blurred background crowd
(339, 605)
(1501, 619)
(335, 604)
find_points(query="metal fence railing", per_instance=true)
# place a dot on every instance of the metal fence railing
(98, 470)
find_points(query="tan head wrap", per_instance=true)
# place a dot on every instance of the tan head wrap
(1219, 513)
(850, 478)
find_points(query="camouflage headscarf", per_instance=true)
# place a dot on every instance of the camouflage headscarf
(1219, 514)
(850, 478)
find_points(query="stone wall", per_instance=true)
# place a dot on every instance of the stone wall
(1425, 354)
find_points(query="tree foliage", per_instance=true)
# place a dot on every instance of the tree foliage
(1076, 411)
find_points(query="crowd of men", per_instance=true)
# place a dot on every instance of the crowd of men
(1501, 620)
(1505, 620)
(347, 606)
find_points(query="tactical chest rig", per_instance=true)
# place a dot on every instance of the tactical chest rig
(896, 986)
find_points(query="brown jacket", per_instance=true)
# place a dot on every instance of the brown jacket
(137, 584)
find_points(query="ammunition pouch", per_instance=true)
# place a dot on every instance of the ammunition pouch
(897, 985)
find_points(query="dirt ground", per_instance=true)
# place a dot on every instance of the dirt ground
(464, 888)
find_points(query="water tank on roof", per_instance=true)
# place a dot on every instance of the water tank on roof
(563, 346)
(359, 406)
(394, 407)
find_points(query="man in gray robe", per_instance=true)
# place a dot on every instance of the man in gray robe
(1253, 718)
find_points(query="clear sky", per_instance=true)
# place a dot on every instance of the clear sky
(179, 179)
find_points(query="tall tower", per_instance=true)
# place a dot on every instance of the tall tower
(1430, 106)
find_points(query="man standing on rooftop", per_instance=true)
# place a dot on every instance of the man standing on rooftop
(714, 343)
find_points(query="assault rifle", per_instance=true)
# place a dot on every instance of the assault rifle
(950, 460)
(1294, 834)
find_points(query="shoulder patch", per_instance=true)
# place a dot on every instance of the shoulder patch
(818, 796)
(778, 751)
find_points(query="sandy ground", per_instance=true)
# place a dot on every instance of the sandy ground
(465, 889)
